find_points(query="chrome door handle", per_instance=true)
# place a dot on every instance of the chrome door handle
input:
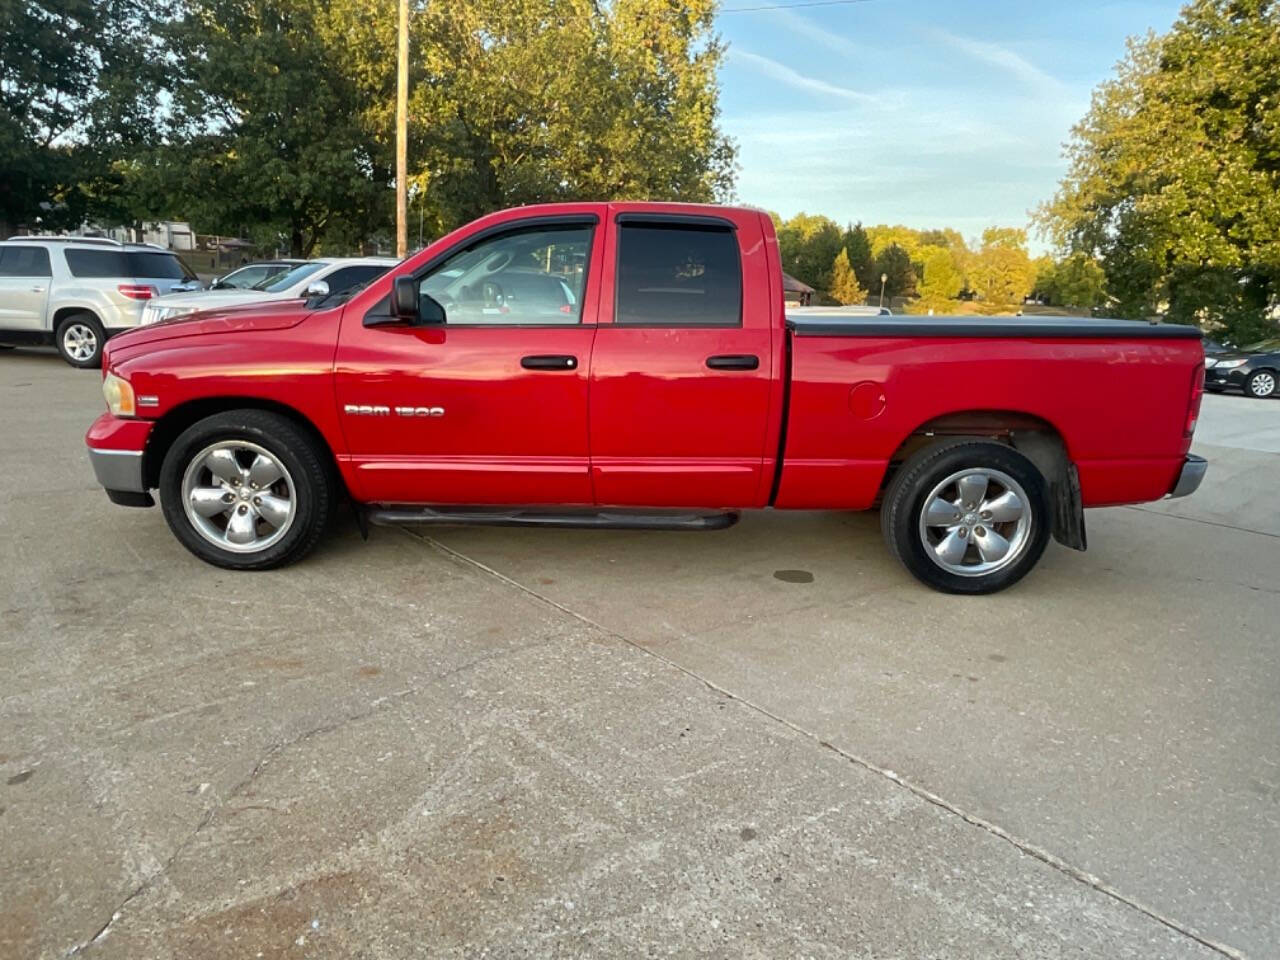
(37, 289)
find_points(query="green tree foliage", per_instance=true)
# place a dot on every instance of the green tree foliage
(895, 264)
(518, 101)
(1174, 179)
(942, 277)
(858, 245)
(1076, 281)
(845, 286)
(72, 74)
(1001, 272)
(808, 246)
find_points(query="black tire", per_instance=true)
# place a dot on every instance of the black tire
(1256, 385)
(307, 464)
(905, 501)
(74, 330)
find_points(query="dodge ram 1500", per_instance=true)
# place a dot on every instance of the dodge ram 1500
(633, 365)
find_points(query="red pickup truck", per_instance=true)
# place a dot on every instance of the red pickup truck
(632, 365)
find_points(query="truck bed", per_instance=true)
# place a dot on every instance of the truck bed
(835, 324)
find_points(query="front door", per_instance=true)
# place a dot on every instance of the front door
(681, 377)
(24, 287)
(491, 406)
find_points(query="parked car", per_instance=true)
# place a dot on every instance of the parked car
(75, 292)
(331, 275)
(252, 274)
(672, 393)
(1254, 369)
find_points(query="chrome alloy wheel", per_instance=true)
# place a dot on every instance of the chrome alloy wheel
(79, 342)
(238, 496)
(1262, 384)
(975, 522)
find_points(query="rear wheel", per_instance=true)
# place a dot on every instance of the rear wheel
(1261, 384)
(80, 339)
(247, 490)
(967, 516)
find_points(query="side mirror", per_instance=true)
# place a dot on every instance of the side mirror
(412, 307)
(316, 288)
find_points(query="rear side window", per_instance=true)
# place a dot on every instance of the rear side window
(678, 276)
(159, 266)
(24, 262)
(96, 263)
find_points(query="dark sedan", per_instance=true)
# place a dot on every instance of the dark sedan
(1254, 369)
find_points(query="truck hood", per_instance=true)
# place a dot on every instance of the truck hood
(216, 299)
(277, 315)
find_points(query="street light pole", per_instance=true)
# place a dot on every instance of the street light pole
(884, 278)
(402, 125)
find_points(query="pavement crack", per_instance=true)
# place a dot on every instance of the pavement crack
(1024, 846)
(273, 751)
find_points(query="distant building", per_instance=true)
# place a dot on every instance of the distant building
(796, 291)
(170, 234)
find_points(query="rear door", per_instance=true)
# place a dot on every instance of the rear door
(682, 368)
(491, 407)
(25, 277)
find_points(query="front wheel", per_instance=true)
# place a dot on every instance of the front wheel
(247, 490)
(1261, 384)
(967, 516)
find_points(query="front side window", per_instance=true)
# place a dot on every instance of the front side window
(678, 276)
(531, 276)
(24, 262)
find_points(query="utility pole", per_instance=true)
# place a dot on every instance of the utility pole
(402, 134)
(884, 278)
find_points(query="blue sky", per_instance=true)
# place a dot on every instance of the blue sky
(925, 113)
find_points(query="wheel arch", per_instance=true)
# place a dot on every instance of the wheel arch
(170, 426)
(70, 310)
(1036, 438)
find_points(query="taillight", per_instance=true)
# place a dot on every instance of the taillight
(136, 291)
(1197, 394)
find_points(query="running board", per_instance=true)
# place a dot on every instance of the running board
(533, 517)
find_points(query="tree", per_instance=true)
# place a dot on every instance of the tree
(1076, 281)
(520, 101)
(1001, 272)
(858, 245)
(895, 263)
(844, 282)
(72, 76)
(942, 278)
(808, 246)
(1174, 183)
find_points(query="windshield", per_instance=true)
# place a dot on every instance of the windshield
(1264, 346)
(280, 283)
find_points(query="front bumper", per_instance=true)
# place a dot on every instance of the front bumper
(116, 452)
(1193, 471)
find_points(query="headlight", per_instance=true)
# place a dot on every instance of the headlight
(119, 395)
(1230, 364)
(1210, 364)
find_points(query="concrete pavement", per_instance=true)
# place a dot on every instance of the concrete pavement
(762, 742)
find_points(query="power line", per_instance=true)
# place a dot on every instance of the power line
(789, 6)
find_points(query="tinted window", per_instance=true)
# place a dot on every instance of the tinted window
(24, 262)
(159, 266)
(343, 280)
(679, 276)
(247, 277)
(96, 263)
(297, 274)
(530, 276)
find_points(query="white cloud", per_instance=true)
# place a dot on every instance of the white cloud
(797, 81)
(997, 56)
(804, 27)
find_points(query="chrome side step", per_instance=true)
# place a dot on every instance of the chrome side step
(537, 517)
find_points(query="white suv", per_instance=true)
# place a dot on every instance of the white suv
(331, 275)
(74, 292)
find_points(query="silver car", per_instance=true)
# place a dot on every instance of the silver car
(75, 292)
